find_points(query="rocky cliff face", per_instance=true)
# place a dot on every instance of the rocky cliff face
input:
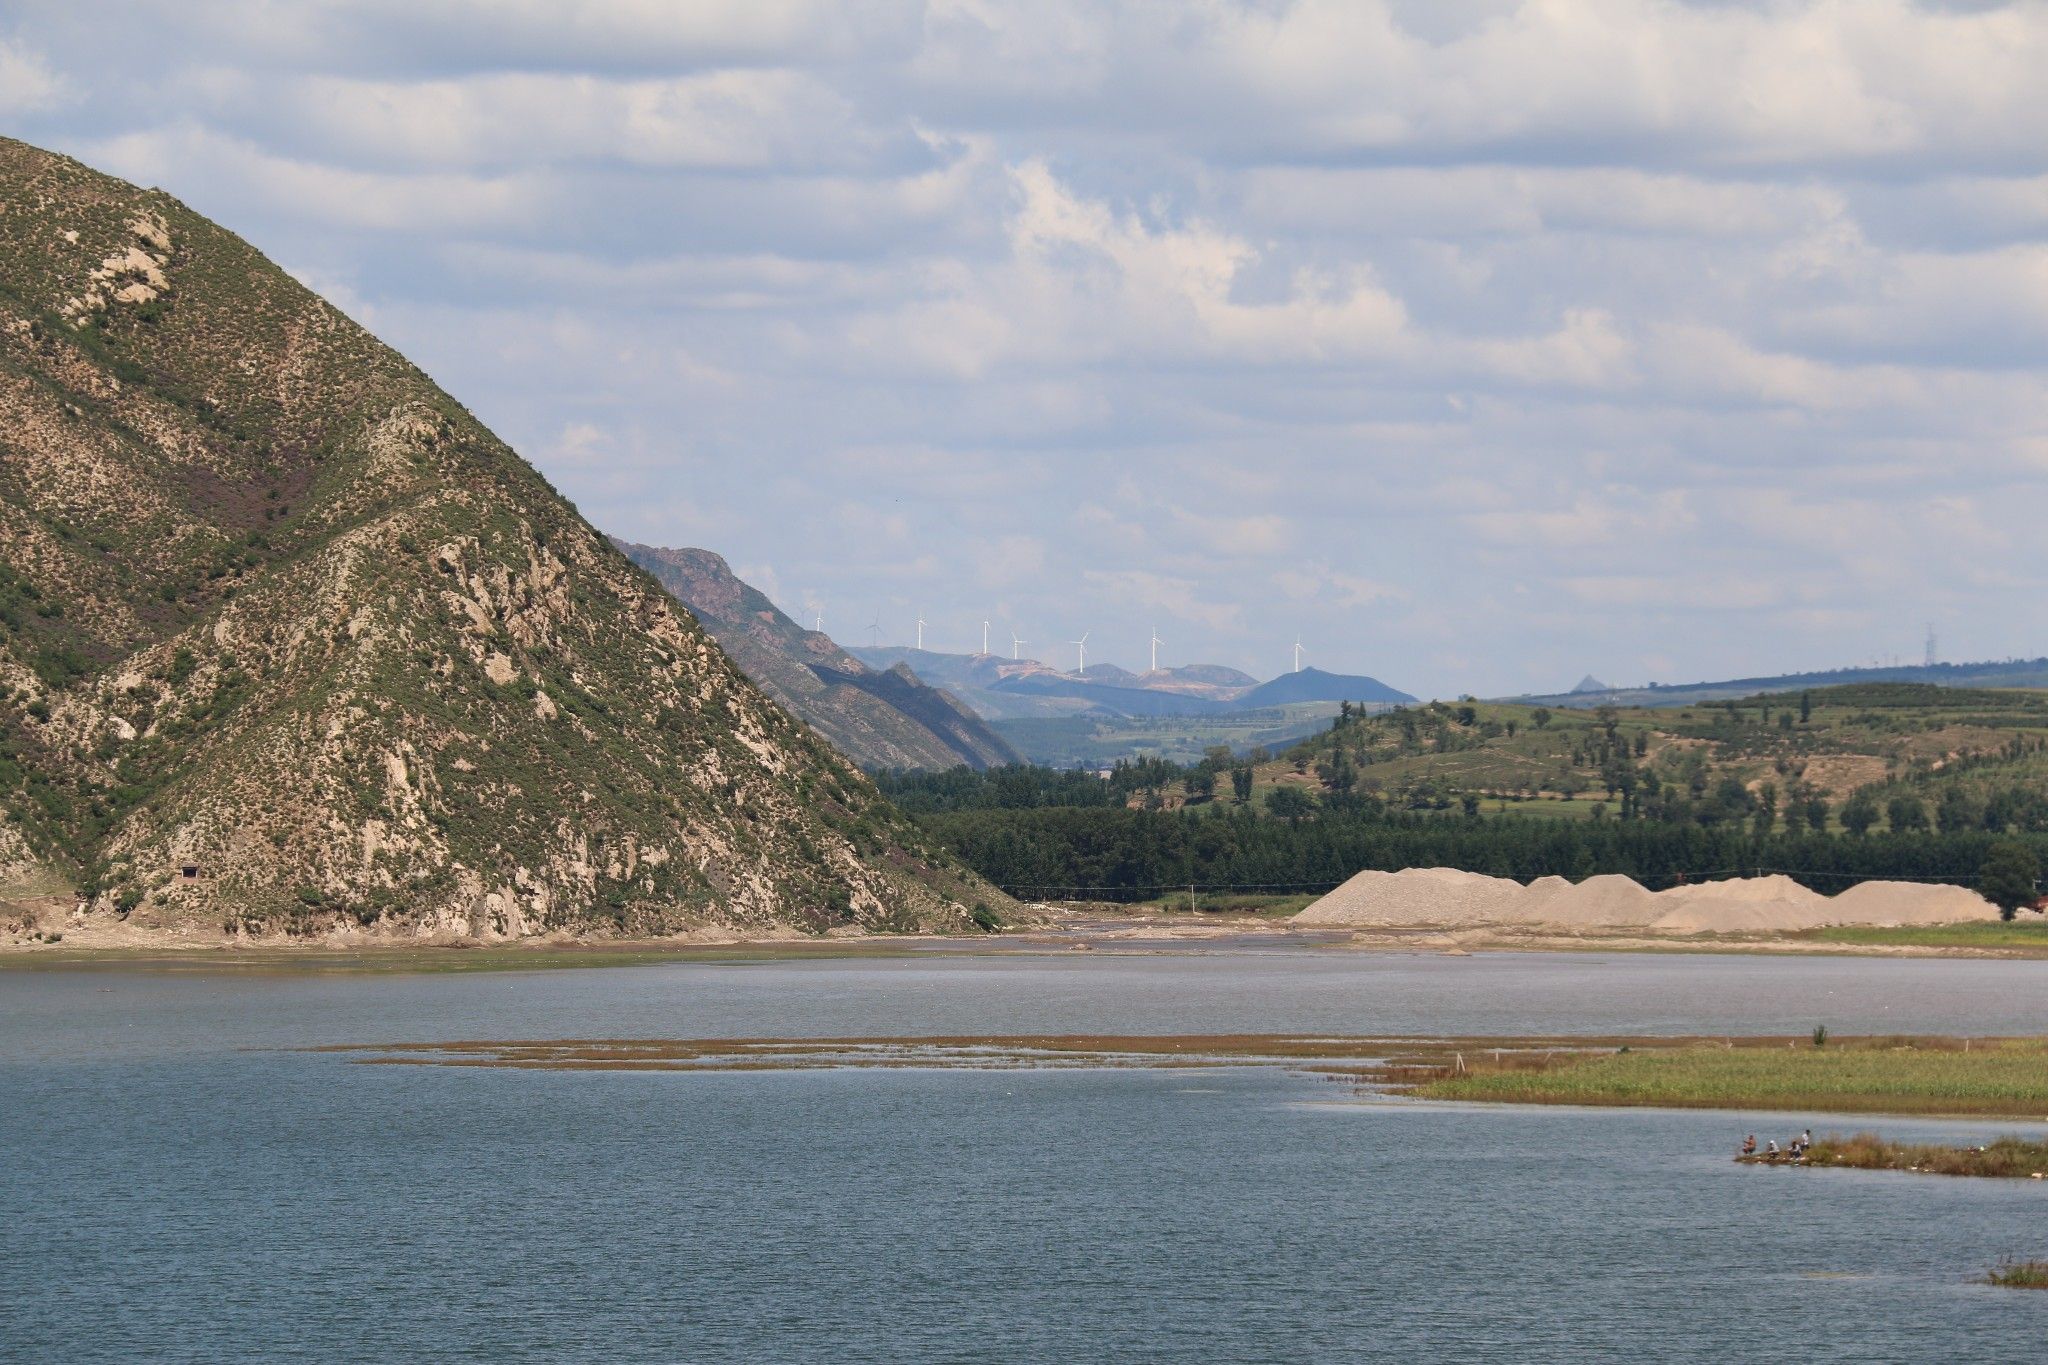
(879, 719)
(287, 638)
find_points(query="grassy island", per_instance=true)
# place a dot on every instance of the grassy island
(2008, 1158)
(1851, 1075)
(2020, 1275)
(1901, 1075)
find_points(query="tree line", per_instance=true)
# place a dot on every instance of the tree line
(1131, 854)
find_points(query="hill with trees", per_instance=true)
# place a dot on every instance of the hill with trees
(1894, 780)
(2002, 673)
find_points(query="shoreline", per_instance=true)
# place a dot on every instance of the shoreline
(1057, 930)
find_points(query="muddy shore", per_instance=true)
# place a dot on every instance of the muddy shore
(1052, 929)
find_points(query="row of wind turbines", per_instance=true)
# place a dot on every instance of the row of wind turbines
(1017, 643)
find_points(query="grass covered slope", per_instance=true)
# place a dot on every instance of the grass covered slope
(277, 610)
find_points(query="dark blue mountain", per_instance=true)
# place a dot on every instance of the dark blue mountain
(1313, 684)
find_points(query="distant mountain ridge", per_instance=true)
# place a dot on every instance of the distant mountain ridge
(1313, 684)
(1990, 673)
(885, 718)
(1016, 689)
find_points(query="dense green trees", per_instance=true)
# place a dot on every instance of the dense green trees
(2008, 876)
(1907, 813)
(1128, 854)
(1859, 812)
(1291, 804)
(1022, 787)
(1371, 792)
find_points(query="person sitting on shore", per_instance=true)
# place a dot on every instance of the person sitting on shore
(1771, 1150)
(1749, 1145)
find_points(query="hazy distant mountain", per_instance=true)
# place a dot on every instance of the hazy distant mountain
(1026, 689)
(1106, 695)
(885, 718)
(1018, 689)
(1589, 683)
(1313, 684)
(972, 679)
(1109, 675)
(1199, 677)
(1995, 673)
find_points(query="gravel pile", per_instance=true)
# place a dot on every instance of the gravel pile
(1597, 902)
(1910, 903)
(1741, 905)
(1418, 896)
(1442, 897)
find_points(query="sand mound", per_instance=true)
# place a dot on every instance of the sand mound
(1417, 896)
(1747, 890)
(1538, 896)
(1910, 903)
(1596, 901)
(1741, 905)
(1441, 897)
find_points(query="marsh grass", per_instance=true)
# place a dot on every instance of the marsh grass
(2007, 1158)
(2020, 1275)
(2028, 935)
(1850, 1075)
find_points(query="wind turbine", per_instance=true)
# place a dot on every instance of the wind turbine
(1156, 642)
(875, 631)
(1016, 644)
(920, 630)
(818, 623)
(1297, 654)
(1081, 652)
(984, 637)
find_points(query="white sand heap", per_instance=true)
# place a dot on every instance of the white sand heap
(1419, 895)
(1743, 905)
(1597, 901)
(1442, 897)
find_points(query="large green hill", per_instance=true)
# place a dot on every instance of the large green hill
(1982, 751)
(287, 638)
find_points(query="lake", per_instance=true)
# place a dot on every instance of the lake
(179, 1186)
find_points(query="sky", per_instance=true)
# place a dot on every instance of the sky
(1475, 346)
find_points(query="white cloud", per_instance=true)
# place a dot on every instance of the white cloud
(322, 195)
(1180, 598)
(1008, 561)
(1319, 582)
(716, 119)
(1519, 336)
(26, 81)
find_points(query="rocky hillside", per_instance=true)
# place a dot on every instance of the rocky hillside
(288, 640)
(879, 719)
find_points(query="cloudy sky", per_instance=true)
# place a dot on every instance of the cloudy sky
(1480, 345)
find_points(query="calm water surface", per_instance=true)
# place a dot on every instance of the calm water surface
(176, 1187)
